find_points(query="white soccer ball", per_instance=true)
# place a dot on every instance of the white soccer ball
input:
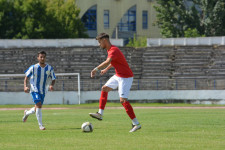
(87, 127)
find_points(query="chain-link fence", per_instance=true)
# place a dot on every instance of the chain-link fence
(69, 83)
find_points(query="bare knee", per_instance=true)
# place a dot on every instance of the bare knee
(106, 88)
(38, 105)
(123, 100)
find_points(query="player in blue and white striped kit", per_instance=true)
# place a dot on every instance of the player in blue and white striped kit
(42, 77)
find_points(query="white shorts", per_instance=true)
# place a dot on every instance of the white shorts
(123, 84)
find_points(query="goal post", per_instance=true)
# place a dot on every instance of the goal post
(57, 75)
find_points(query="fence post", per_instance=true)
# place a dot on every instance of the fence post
(214, 84)
(223, 41)
(176, 84)
(82, 85)
(195, 84)
(159, 41)
(100, 84)
(172, 42)
(210, 41)
(6, 86)
(197, 41)
(62, 85)
(185, 41)
(157, 84)
(138, 85)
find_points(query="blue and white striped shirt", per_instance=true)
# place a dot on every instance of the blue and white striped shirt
(40, 78)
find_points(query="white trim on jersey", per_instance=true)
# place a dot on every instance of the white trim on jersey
(40, 78)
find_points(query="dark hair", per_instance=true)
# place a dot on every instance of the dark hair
(42, 52)
(102, 35)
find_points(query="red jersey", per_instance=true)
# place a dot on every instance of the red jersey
(119, 62)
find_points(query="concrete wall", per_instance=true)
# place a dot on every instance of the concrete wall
(61, 43)
(186, 41)
(51, 98)
(194, 96)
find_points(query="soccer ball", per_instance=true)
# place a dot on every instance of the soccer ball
(87, 127)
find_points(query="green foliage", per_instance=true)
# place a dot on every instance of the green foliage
(176, 19)
(37, 19)
(191, 33)
(8, 19)
(66, 14)
(213, 16)
(137, 42)
(171, 17)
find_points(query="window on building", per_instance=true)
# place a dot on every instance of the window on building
(106, 19)
(145, 19)
(90, 18)
(128, 22)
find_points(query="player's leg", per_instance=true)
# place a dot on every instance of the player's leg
(38, 105)
(130, 112)
(32, 110)
(39, 115)
(110, 84)
(124, 89)
(27, 113)
(103, 98)
(102, 103)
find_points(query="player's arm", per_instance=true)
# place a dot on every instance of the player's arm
(101, 66)
(106, 69)
(51, 85)
(26, 88)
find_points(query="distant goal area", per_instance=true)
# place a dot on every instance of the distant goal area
(64, 82)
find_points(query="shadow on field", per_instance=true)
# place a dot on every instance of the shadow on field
(64, 128)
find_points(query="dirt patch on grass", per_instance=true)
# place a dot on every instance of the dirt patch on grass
(147, 107)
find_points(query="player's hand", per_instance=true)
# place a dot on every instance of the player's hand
(103, 71)
(51, 88)
(26, 89)
(93, 72)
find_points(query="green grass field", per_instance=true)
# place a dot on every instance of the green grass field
(162, 129)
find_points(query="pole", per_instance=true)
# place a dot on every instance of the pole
(79, 87)
(116, 32)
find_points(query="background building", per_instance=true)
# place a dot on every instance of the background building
(119, 18)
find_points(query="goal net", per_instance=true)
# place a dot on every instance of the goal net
(65, 82)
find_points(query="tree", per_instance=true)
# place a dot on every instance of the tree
(65, 19)
(38, 19)
(191, 33)
(212, 16)
(8, 19)
(137, 42)
(30, 18)
(176, 18)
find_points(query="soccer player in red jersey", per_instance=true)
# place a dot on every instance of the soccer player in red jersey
(122, 79)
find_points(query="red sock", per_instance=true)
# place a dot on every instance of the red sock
(129, 110)
(103, 100)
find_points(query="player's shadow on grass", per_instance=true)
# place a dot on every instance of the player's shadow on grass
(64, 128)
